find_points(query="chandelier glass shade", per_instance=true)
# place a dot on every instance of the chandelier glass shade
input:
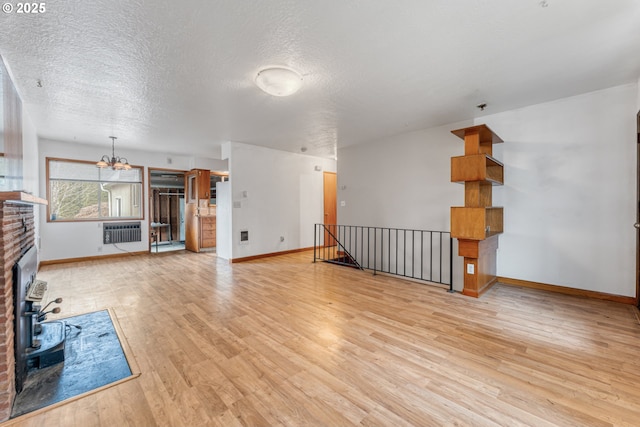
(113, 162)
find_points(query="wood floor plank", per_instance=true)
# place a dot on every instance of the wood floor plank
(210, 374)
(283, 341)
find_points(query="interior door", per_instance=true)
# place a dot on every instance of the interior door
(191, 225)
(330, 205)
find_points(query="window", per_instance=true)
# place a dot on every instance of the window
(3, 170)
(192, 189)
(80, 191)
(118, 206)
(216, 177)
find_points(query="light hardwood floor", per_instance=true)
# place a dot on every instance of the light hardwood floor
(283, 341)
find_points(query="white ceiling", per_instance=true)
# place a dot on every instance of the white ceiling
(177, 76)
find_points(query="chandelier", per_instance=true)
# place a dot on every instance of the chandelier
(116, 163)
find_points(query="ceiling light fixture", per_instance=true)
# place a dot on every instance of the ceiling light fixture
(279, 81)
(116, 163)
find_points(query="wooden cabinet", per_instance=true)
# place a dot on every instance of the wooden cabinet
(197, 185)
(203, 184)
(200, 219)
(208, 229)
(478, 223)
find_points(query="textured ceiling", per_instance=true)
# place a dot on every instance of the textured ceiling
(178, 77)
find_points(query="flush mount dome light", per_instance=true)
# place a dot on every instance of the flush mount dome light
(279, 81)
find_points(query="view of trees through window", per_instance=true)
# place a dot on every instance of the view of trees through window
(81, 191)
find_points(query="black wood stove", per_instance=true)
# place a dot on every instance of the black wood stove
(38, 344)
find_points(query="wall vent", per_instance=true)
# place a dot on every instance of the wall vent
(121, 232)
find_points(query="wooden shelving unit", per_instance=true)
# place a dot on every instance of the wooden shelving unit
(477, 224)
(477, 168)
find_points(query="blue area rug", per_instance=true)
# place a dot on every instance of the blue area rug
(93, 358)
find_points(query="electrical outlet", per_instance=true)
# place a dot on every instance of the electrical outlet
(471, 269)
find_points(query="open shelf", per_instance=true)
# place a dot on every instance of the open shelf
(476, 223)
(486, 135)
(477, 167)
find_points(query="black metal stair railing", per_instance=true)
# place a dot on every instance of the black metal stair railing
(333, 250)
(416, 254)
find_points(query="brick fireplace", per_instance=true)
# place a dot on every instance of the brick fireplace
(17, 236)
(17, 232)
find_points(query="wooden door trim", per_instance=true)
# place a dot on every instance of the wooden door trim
(150, 195)
(638, 209)
(328, 240)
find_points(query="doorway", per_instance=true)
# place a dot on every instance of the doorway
(166, 210)
(201, 209)
(330, 204)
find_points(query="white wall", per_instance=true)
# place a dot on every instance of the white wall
(31, 172)
(223, 219)
(569, 193)
(275, 194)
(638, 96)
(60, 240)
(403, 181)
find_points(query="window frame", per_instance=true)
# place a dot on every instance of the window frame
(48, 160)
